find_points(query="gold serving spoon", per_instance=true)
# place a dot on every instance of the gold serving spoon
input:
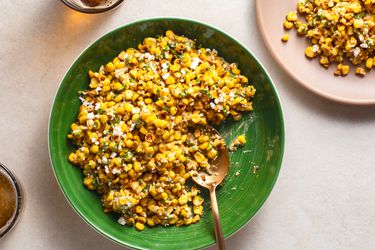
(219, 169)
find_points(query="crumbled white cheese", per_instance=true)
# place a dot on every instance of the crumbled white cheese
(98, 89)
(136, 110)
(194, 63)
(220, 99)
(120, 72)
(165, 76)
(121, 221)
(97, 106)
(315, 48)
(113, 155)
(356, 51)
(106, 169)
(90, 116)
(132, 126)
(152, 66)
(104, 160)
(164, 65)
(148, 56)
(116, 171)
(86, 103)
(90, 122)
(117, 131)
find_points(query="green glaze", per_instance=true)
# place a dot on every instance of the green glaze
(239, 198)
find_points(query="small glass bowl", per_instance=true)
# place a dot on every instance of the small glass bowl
(18, 199)
(78, 5)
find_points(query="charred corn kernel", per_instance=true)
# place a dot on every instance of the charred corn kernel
(345, 69)
(292, 16)
(369, 63)
(199, 157)
(131, 173)
(197, 200)
(288, 25)
(182, 200)
(150, 222)
(173, 220)
(164, 195)
(140, 129)
(139, 226)
(212, 153)
(138, 209)
(143, 130)
(173, 110)
(109, 67)
(186, 176)
(94, 149)
(203, 146)
(358, 23)
(198, 210)
(196, 118)
(309, 52)
(128, 94)
(175, 67)
(137, 167)
(72, 157)
(82, 119)
(128, 107)
(88, 181)
(106, 88)
(285, 38)
(203, 138)
(160, 103)
(360, 71)
(241, 139)
(338, 29)
(170, 80)
(117, 86)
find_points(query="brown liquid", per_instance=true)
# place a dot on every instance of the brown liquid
(8, 199)
(93, 3)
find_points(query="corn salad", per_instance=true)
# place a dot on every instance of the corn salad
(140, 130)
(338, 30)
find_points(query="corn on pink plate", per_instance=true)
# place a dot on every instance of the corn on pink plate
(351, 89)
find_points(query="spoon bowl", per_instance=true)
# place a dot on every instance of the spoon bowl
(219, 168)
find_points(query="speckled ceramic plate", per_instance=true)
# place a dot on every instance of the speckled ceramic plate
(350, 89)
(240, 197)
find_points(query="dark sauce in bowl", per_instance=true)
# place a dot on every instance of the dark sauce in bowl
(10, 200)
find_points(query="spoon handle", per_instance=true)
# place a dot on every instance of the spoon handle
(215, 213)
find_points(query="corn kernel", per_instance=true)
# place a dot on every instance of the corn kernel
(309, 52)
(139, 226)
(285, 38)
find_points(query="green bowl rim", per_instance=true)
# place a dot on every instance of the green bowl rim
(163, 18)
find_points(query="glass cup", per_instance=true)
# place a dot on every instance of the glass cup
(10, 200)
(92, 6)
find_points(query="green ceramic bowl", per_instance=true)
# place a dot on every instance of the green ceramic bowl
(244, 191)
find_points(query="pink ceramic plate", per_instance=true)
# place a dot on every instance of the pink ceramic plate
(350, 89)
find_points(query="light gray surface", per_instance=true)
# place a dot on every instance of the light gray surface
(324, 197)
